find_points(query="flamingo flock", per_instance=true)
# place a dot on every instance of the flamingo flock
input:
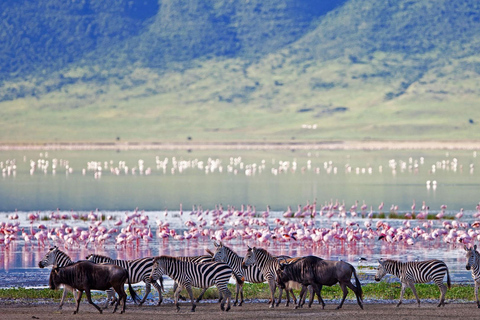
(332, 224)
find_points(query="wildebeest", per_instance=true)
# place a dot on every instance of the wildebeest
(86, 276)
(314, 271)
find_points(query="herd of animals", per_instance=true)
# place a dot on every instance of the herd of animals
(310, 273)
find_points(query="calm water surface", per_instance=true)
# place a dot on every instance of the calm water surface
(158, 182)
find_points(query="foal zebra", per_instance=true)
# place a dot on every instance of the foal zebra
(190, 274)
(267, 264)
(138, 270)
(473, 263)
(56, 257)
(413, 272)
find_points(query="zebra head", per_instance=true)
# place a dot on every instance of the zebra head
(381, 271)
(50, 258)
(158, 268)
(471, 256)
(250, 258)
(220, 254)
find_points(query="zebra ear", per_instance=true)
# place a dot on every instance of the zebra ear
(215, 244)
(380, 261)
(249, 247)
(475, 247)
(220, 244)
(465, 247)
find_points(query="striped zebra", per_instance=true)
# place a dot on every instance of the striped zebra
(195, 259)
(250, 274)
(138, 270)
(267, 264)
(473, 263)
(413, 272)
(56, 257)
(189, 274)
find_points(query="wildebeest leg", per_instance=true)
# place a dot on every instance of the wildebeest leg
(355, 290)
(89, 298)
(79, 297)
(402, 292)
(293, 296)
(345, 292)
(280, 293)
(301, 296)
(411, 284)
(318, 290)
(312, 296)
(148, 288)
(122, 296)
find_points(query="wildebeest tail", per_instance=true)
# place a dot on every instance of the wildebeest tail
(133, 294)
(358, 285)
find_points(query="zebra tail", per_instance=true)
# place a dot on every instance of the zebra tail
(448, 279)
(358, 284)
(133, 294)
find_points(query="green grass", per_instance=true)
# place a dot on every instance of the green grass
(381, 290)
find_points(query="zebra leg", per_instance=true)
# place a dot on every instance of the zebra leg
(241, 295)
(225, 294)
(476, 293)
(175, 287)
(402, 292)
(412, 286)
(65, 291)
(200, 297)
(238, 287)
(273, 287)
(443, 291)
(190, 293)
(159, 289)
(178, 289)
(148, 288)
(111, 298)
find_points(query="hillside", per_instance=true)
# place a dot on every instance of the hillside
(228, 71)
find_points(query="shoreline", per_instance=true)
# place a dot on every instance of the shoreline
(321, 145)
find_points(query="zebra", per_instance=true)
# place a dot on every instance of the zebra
(250, 274)
(473, 264)
(138, 270)
(56, 257)
(413, 272)
(267, 264)
(195, 259)
(201, 275)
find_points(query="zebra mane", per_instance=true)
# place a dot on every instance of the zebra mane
(264, 252)
(101, 257)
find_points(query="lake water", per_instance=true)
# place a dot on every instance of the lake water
(158, 182)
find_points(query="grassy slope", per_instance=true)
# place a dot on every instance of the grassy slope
(396, 94)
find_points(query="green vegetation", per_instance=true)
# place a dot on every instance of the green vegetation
(381, 290)
(120, 71)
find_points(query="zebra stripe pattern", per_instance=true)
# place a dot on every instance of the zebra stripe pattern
(189, 274)
(267, 264)
(473, 264)
(413, 272)
(138, 270)
(250, 274)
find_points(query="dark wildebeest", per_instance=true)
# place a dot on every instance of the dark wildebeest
(86, 276)
(314, 271)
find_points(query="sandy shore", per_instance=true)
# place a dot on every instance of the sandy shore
(211, 311)
(321, 145)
